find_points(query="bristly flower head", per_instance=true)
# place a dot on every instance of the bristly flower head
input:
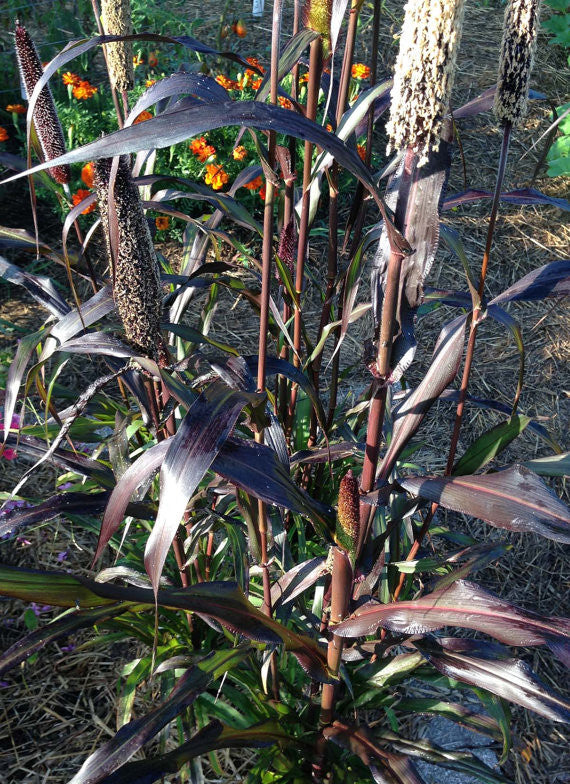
(424, 73)
(116, 19)
(317, 17)
(515, 64)
(46, 122)
(136, 273)
(348, 513)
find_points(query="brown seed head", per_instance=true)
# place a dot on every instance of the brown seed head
(288, 244)
(424, 74)
(116, 20)
(515, 63)
(136, 273)
(46, 122)
(348, 513)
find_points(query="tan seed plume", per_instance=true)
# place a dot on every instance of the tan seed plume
(515, 63)
(46, 121)
(116, 20)
(136, 273)
(424, 74)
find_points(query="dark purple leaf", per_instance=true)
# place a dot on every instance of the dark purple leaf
(224, 602)
(462, 604)
(99, 305)
(511, 679)
(297, 580)
(98, 343)
(133, 735)
(515, 499)
(196, 84)
(414, 195)
(332, 452)
(214, 736)
(552, 280)
(287, 59)
(71, 504)
(174, 127)
(521, 197)
(190, 453)
(393, 768)
(484, 102)
(443, 369)
(63, 458)
(40, 288)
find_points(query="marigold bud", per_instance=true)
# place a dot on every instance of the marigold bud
(348, 513)
(515, 63)
(424, 73)
(116, 20)
(46, 122)
(136, 273)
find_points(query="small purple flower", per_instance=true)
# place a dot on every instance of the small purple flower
(40, 608)
(4, 684)
(67, 648)
(62, 556)
(23, 542)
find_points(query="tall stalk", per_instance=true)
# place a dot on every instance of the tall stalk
(511, 98)
(332, 249)
(267, 254)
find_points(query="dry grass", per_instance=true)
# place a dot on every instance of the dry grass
(51, 722)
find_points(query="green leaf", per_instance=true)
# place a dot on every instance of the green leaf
(553, 465)
(490, 444)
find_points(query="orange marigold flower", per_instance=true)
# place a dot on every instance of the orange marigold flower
(360, 71)
(78, 197)
(70, 78)
(137, 60)
(215, 176)
(239, 153)
(253, 185)
(153, 59)
(329, 128)
(142, 117)
(228, 84)
(150, 82)
(84, 90)
(304, 78)
(201, 149)
(361, 150)
(239, 28)
(87, 174)
(16, 108)
(255, 62)
(3, 134)
(262, 193)
(284, 102)
(256, 83)
(162, 223)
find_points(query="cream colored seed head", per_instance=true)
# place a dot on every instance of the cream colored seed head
(515, 64)
(424, 73)
(136, 273)
(116, 20)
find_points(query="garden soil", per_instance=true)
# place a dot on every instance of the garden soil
(54, 715)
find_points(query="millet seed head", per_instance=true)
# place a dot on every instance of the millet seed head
(46, 122)
(515, 63)
(116, 20)
(424, 73)
(348, 512)
(136, 273)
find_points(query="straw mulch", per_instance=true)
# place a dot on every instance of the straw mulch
(56, 712)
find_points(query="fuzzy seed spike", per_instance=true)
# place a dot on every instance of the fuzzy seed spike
(348, 513)
(136, 274)
(515, 63)
(116, 20)
(424, 74)
(46, 122)
(317, 17)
